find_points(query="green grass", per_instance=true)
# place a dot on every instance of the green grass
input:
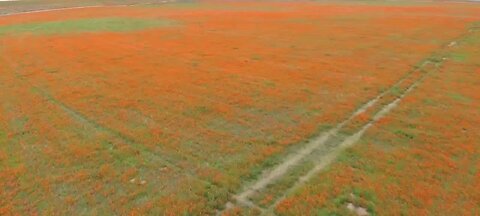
(197, 111)
(3, 136)
(191, 5)
(109, 24)
(459, 97)
(397, 91)
(459, 57)
(404, 134)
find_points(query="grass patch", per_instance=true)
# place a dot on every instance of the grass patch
(430, 102)
(459, 98)
(3, 136)
(396, 91)
(191, 5)
(404, 134)
(256, 57)
(110, 24)
(459, 57)
(197, 111)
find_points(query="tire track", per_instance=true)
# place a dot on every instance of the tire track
(294, 159)
(50, 10)
(76, 115)
(81, 7)
(276, 173)
(89, 123)
(164, 159)
(327, 159)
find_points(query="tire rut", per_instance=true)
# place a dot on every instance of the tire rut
(87, 122)
(274, 174)
(349, 141)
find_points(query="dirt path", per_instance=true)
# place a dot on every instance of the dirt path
(81, 7)
(278, 172)
(49, 10)
(349, 141)
(327, 159)
(295, 158)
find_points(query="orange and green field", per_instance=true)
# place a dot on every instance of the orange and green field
(239, 108)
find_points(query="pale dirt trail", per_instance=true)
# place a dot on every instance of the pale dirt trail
(326, 160)
(78, 7)
(294, 159)
(50, 10)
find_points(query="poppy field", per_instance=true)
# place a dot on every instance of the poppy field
(222, 108)
(420, 160)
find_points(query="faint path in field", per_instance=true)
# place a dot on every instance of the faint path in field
(81, 7)
(92, 124)
(49, 10)
(277, 172)
(74, 113)
(89, 123)
(294, 159)
(327, 159)
(324, 160)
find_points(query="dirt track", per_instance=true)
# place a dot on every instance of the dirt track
(323, 161)
(280, 170)
(18, 7)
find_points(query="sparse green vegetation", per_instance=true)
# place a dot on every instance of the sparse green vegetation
(112, 24)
